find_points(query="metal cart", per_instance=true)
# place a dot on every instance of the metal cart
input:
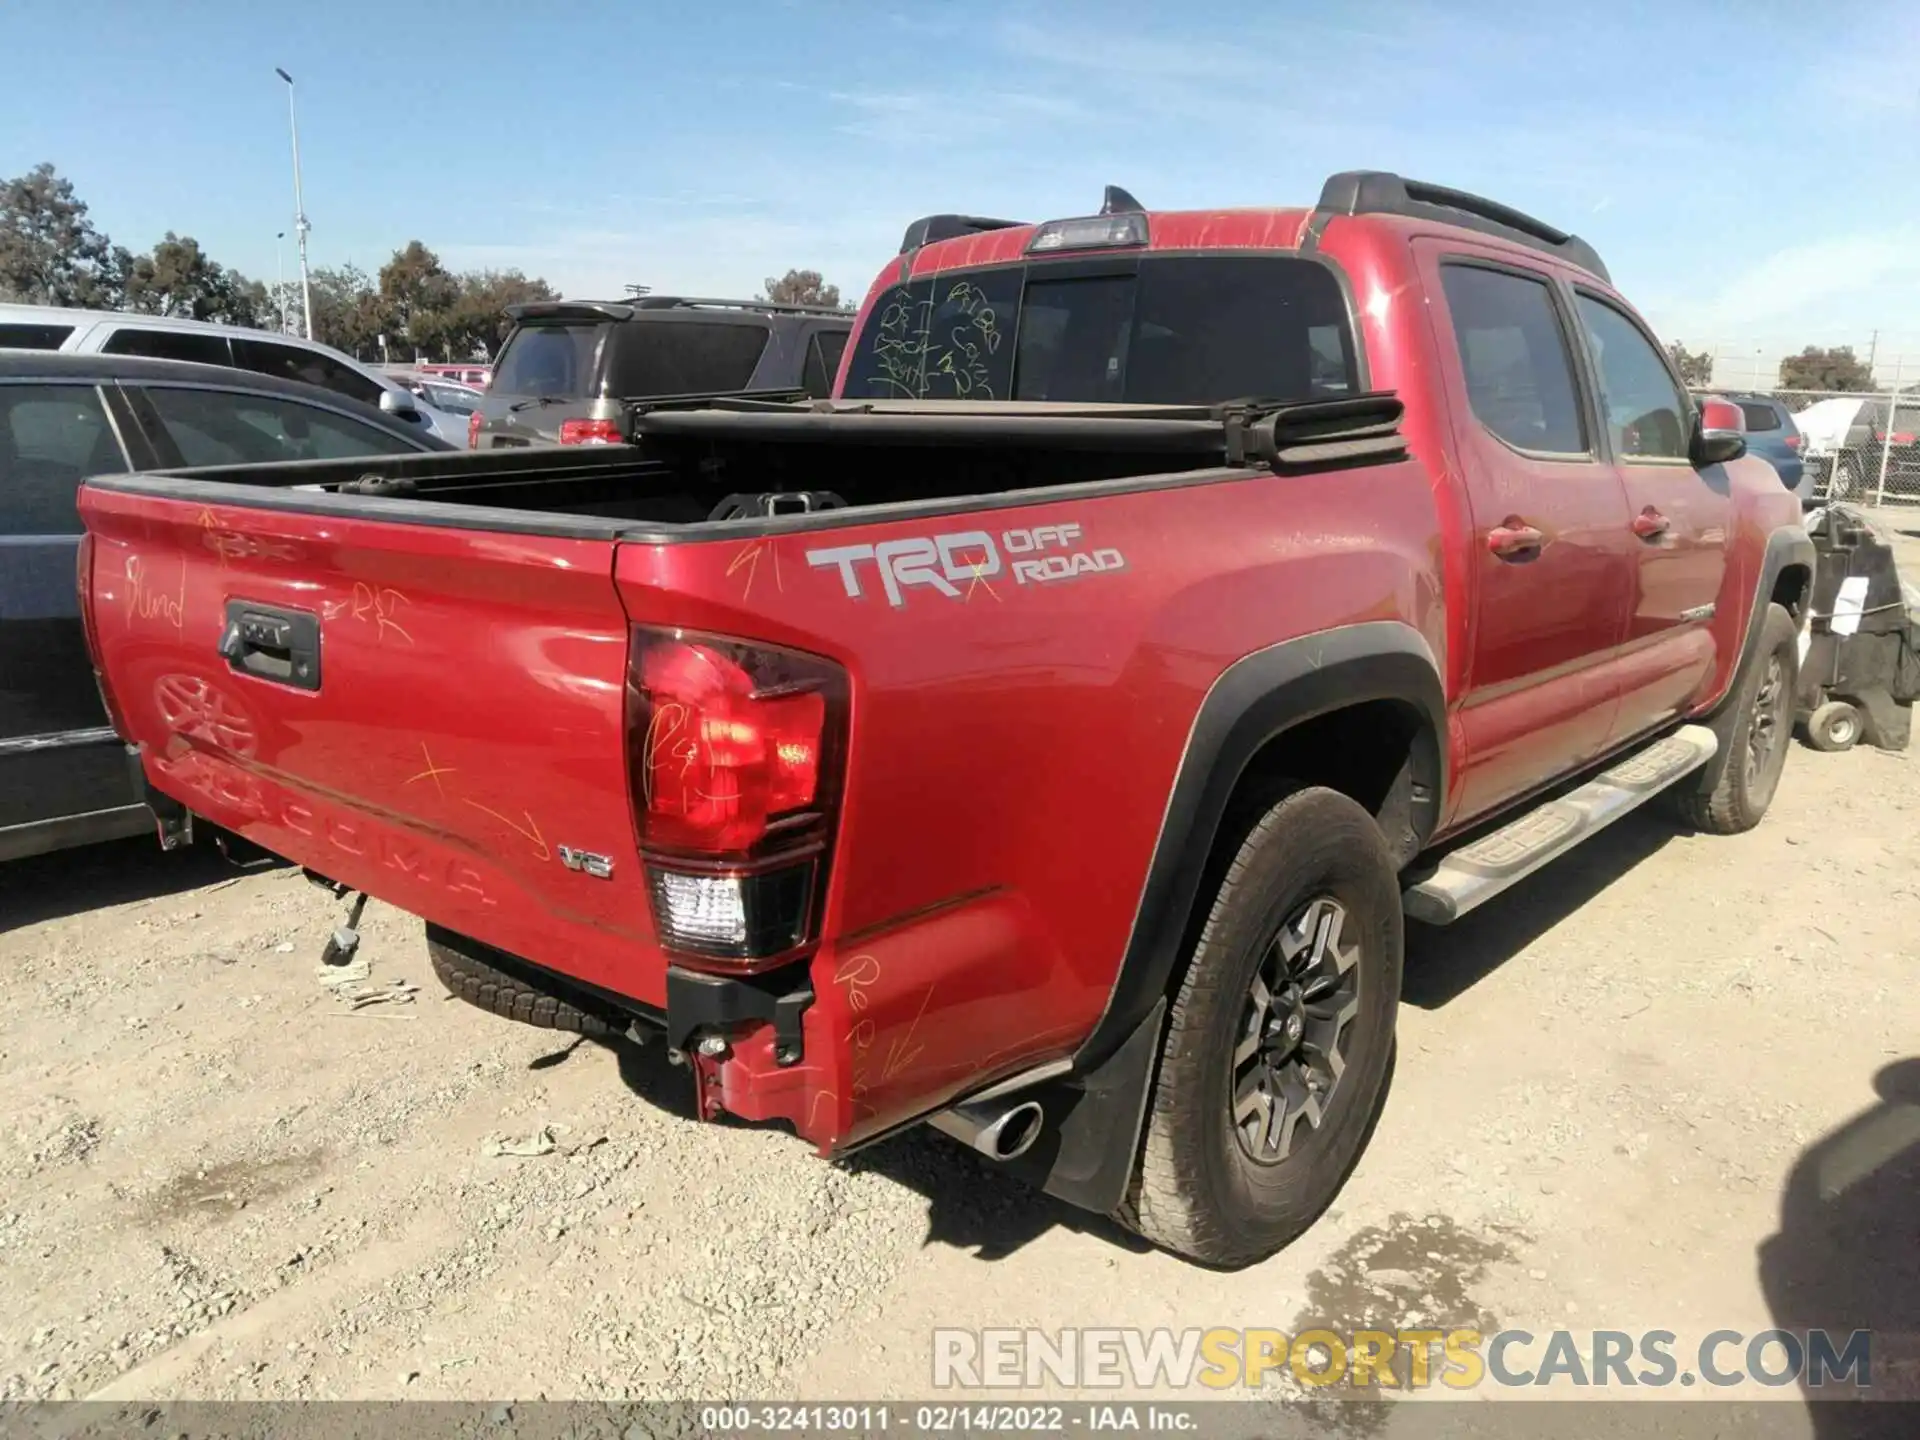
(1860, 646)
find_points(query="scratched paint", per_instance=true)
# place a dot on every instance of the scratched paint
(145, 601)
(530, 832)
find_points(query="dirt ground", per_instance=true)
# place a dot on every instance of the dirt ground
(1616, 1089)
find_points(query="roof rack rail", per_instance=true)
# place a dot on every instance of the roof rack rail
(676, 302)
(931, 228)
(1379, 192)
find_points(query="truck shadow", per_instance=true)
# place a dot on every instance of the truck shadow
(1443, 962)
(92, 877)
(1846, 1256)
(971, 1205)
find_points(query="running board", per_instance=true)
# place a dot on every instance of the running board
(1476, 873)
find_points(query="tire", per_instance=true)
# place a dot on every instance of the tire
(1213, 1189)
(1732, 791)
(508, 995)
(1833, 727)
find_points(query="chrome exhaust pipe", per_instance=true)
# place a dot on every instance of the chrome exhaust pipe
(999, 1132)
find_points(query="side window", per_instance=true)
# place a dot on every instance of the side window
(291, 362)
(191, 345)
(1519, 371)
(33, 337)
(51, 438)
(1644, 409)
(1759, 416)
(823, 362)
(222, 427)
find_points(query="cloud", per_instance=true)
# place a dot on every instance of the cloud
(1115, 52)
(1803, 280)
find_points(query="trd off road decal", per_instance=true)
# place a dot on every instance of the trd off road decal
(955, 564)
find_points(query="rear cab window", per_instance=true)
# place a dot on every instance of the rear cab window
(1147, 329)
(1759, 416)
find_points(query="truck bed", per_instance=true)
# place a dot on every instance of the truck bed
(417, 676)
(747, 464)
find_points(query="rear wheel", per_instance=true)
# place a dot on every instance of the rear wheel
(1280, 1038)
(1732, 792)
(1834, 726)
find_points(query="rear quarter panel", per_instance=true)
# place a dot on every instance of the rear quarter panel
(1014, 744)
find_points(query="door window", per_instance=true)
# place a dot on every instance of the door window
(1643, 405)
(51, 438)
(194, 345)
(224, 427)
(314, 367)
(1519, 371)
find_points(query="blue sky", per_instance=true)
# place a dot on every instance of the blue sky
(1751, 171)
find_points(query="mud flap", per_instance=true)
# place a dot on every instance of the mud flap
(1086, 1150)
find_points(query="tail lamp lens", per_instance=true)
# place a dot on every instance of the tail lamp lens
(591, 432)
(473, 429)
(733, 753)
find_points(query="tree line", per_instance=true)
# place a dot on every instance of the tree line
(1833, 370)
(51, 253)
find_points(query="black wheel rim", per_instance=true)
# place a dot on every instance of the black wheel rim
(1764, 726)
(1291, 1048)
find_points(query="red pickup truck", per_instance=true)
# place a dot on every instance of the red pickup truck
(1046, 737)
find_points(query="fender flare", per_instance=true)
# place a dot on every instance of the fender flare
(1258, 697)
(1094, 1113)
(1788, 545)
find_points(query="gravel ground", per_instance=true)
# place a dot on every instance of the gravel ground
(222, 1178)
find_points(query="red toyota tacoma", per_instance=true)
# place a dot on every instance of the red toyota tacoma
(1046, 737)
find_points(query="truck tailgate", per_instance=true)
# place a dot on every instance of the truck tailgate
(424, 712)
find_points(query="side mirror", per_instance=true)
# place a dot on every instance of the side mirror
(1720, 432)
(399, 404)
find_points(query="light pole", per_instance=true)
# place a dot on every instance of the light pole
(280, 268)
(300, 226)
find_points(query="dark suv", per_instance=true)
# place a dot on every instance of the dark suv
(572, 370)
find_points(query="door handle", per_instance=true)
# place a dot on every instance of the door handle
(273, 644)
(1515, 540)
(1650, 524)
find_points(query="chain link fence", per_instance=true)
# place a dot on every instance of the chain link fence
(1858, 446)
(1861, 443)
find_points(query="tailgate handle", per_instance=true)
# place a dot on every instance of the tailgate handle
(270, 643)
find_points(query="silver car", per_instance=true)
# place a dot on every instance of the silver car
(110, 332)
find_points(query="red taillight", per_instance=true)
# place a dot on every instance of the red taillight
(83, 581)
(591, 432)
(473, 430)
(733, 756)
(1793, 442)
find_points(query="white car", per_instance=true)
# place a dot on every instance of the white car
(111, 332)
(1825, 422)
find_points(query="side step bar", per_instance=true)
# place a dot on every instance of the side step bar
(1476, 873)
